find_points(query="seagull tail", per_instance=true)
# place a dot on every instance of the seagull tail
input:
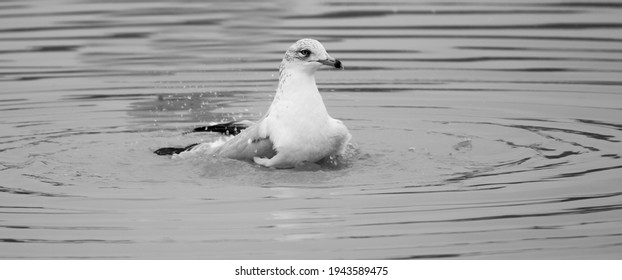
(169, 151)
(228, 128)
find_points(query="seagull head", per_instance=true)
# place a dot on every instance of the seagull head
(308, 55)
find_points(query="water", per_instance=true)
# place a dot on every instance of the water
(483, 130)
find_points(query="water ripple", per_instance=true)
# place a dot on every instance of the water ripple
(481, 130)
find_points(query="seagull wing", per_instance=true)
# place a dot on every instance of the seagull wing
(229, 128)
(251, 142)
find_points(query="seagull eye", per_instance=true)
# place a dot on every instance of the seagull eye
(305, 53)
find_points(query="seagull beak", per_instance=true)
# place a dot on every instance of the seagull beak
(331, 62)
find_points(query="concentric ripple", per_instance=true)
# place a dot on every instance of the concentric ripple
(480, 130)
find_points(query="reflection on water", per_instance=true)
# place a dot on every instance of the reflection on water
(482, 130)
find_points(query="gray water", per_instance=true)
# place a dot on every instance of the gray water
(487, 130)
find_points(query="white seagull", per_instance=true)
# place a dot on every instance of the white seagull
(296, 129)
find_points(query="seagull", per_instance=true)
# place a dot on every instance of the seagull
(296, 129)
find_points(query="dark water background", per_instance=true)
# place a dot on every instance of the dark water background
(485, 130)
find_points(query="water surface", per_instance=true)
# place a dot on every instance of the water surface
(486, 130)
